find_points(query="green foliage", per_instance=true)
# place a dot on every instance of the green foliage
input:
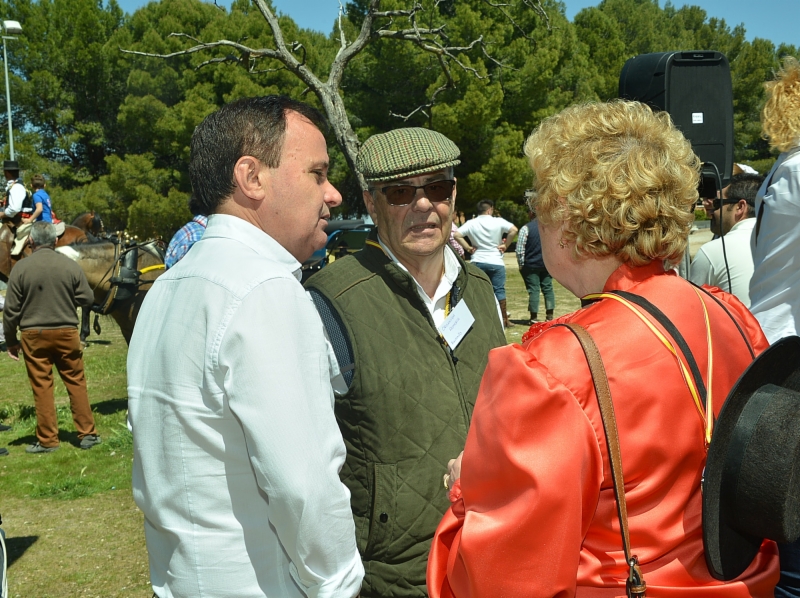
(111, 131)
(512, 211)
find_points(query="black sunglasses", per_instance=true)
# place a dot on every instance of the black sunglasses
(403, 195)
(718, 203)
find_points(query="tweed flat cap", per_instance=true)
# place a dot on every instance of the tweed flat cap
(405, 152)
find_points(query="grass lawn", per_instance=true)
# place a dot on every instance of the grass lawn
(72, 526)
(517, 301)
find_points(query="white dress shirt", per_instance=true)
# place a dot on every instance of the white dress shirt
(708, 266)
(775, 286)
(486, 233)
(236, 449)
(16, 197)
(436, 304)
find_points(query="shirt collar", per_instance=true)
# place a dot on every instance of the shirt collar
(451, 265)
(231, 227)
(746, 224)
(201, 220)
(626, 276)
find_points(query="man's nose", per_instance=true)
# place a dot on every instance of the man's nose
(421, 201)
(332, 196)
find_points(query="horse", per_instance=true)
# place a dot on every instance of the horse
(72, 235)
(120, 274)
(91, 224)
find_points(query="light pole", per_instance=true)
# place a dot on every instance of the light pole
(11, 28)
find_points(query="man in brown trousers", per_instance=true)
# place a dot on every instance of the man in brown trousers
(44, 292)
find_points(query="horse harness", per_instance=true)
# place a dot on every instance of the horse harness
(125, 279)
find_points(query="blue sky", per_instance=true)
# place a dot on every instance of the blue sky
(776, 20)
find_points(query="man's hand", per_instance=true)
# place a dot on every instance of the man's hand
(13, 352)
(502, 247)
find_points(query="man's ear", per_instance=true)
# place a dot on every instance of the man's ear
(742, 207)
(249, 175)
(369, 203)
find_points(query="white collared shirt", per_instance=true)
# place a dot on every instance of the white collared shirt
(16, 197)
(708, 266)
(437, 304)
(775, 285)
(236, 448)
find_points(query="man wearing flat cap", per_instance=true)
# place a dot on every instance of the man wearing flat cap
(411, 325)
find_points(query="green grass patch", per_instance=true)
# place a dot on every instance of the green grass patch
(69, 472)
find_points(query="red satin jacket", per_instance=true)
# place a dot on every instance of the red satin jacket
(534, 512)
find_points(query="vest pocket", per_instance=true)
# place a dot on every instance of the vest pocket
(382, 517)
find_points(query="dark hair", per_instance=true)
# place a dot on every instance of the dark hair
(484, 205)
(37, 181)
(247, 127)
(194, 206)
(745, 186)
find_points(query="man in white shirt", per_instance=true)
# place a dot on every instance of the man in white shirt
(775, 286)
(486, 234)
(737, 219)
(236, 448)
(18, 207)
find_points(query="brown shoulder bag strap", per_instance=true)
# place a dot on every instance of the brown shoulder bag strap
(635, 584)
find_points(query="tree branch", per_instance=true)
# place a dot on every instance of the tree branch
(202, 46)
(422, 107)
(345, 55)
(283, 53)
(536, 6)
(501, 8)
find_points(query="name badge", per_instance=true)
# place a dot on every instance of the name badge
(457, 324)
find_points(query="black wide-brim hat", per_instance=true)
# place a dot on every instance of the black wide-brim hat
(751, 487)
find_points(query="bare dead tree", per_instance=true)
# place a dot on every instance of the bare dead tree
(377, 25)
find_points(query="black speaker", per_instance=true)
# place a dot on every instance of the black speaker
(695, 89)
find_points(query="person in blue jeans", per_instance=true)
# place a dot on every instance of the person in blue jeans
(486, 235)
(533, 271)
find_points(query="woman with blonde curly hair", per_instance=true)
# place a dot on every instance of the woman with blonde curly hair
(533, 505)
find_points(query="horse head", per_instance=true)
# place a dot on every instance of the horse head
(101, 262)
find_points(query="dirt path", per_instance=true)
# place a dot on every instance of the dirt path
(85, 547)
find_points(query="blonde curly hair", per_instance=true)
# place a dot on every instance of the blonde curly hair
(621, 179)
(780, 119)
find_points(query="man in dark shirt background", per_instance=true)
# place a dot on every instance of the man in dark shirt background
(44, 292)
(534, 273)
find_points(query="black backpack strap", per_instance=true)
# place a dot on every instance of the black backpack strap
(735, 323)
(337, 334)
(760, 214)
(662, 319)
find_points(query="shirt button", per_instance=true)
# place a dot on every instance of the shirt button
(384, 517)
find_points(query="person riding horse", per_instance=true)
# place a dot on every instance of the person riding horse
(17, 206)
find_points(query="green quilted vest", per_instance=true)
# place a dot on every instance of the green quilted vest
(407, 411)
